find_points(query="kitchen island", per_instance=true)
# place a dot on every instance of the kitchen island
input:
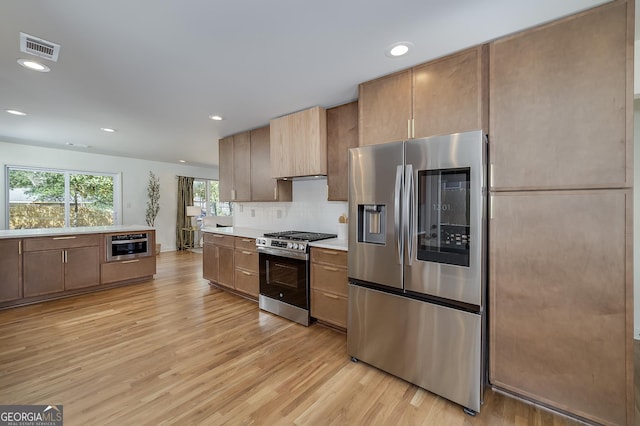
(50, 263)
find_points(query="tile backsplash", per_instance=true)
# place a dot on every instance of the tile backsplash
(309, 210)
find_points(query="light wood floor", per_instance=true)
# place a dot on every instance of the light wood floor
(177, 351)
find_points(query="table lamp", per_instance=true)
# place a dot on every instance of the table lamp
(193, 212)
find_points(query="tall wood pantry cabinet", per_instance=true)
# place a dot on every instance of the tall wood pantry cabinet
(561, 273)
(444, 96)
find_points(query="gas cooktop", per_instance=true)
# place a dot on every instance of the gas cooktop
(299, 236)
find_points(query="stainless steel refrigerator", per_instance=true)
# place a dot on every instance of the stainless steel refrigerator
(417, 267)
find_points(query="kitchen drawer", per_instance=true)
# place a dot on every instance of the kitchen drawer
(247, 282)
(332, 257)
(246, 243)
(247, 259)
(127, 269)
(329, 308)
(329, 278)
(219, 240)
(61, 242)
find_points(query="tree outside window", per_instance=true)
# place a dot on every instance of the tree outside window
(52, 199)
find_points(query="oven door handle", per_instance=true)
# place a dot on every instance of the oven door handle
(282, 253)
(139, 240)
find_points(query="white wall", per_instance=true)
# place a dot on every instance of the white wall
(135, 176)
(309, 211)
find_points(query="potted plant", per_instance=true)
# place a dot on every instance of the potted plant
(153, 202)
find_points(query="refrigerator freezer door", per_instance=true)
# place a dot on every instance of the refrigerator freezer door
(375, 192)
(447, 213)
(432, 346)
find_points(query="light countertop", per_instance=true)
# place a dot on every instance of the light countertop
(45, 232)
(332, 243)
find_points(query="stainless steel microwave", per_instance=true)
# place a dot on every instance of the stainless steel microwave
(127, 246)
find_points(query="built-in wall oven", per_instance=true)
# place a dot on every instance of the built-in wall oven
(127, 246)
(283, 259)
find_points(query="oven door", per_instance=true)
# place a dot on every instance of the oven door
(284, 278)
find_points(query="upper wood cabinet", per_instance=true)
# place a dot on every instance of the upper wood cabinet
(263, 186)
(299, 144)
(342, 134)
(245, 169)
(447, 95)
(561, 103)
(234, 154)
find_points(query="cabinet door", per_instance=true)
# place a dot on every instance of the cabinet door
(226, 270)
(298, 144)
(43, 272)
(241, 167)
(450, 94)
(342, 134)
(225, 160)
(560, 276)
(561, 103)
(263, 186)
(82, 267)
(385, 109)
(247, 282)
(210, 262)
(10, 270)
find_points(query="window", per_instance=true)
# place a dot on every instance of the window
(46, 198)
(206, 196)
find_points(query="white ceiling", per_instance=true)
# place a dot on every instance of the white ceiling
(155, 70)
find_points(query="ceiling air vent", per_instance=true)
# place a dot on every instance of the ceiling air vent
(39, 47)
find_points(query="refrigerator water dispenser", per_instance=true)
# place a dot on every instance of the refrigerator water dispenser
(371, 223)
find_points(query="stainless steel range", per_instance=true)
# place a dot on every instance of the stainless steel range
(284, 273)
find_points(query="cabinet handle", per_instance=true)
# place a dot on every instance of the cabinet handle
(65, 238)
(413, 128)
(330, 252)
(491, 207)
(218, 236)
(328, 268)
(131, 261)
(275, 191)
(409, 128)
(491, 175)
(246, 240)
(62, 254)
(246, 252)
(331, 296)
(246, 273)
(233, 194)
(20, 247)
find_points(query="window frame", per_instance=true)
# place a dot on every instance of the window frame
(208, 202)
(117, 191)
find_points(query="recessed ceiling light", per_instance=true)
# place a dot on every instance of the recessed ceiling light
(399, 49)
(107, 129)
(15, 112)
(182, 161)
(215, 117)
(79, 145)
(33, 65)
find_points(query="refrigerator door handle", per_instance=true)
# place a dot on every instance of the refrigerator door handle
(396, 213)
(408, 212)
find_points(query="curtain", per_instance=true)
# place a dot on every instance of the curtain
(185, 198)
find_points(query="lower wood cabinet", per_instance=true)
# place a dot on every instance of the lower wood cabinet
(56, 264)
(559, 290)
(10, 269)
(127, 270)
(247, 279)
(217, 259)
(329, 294)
